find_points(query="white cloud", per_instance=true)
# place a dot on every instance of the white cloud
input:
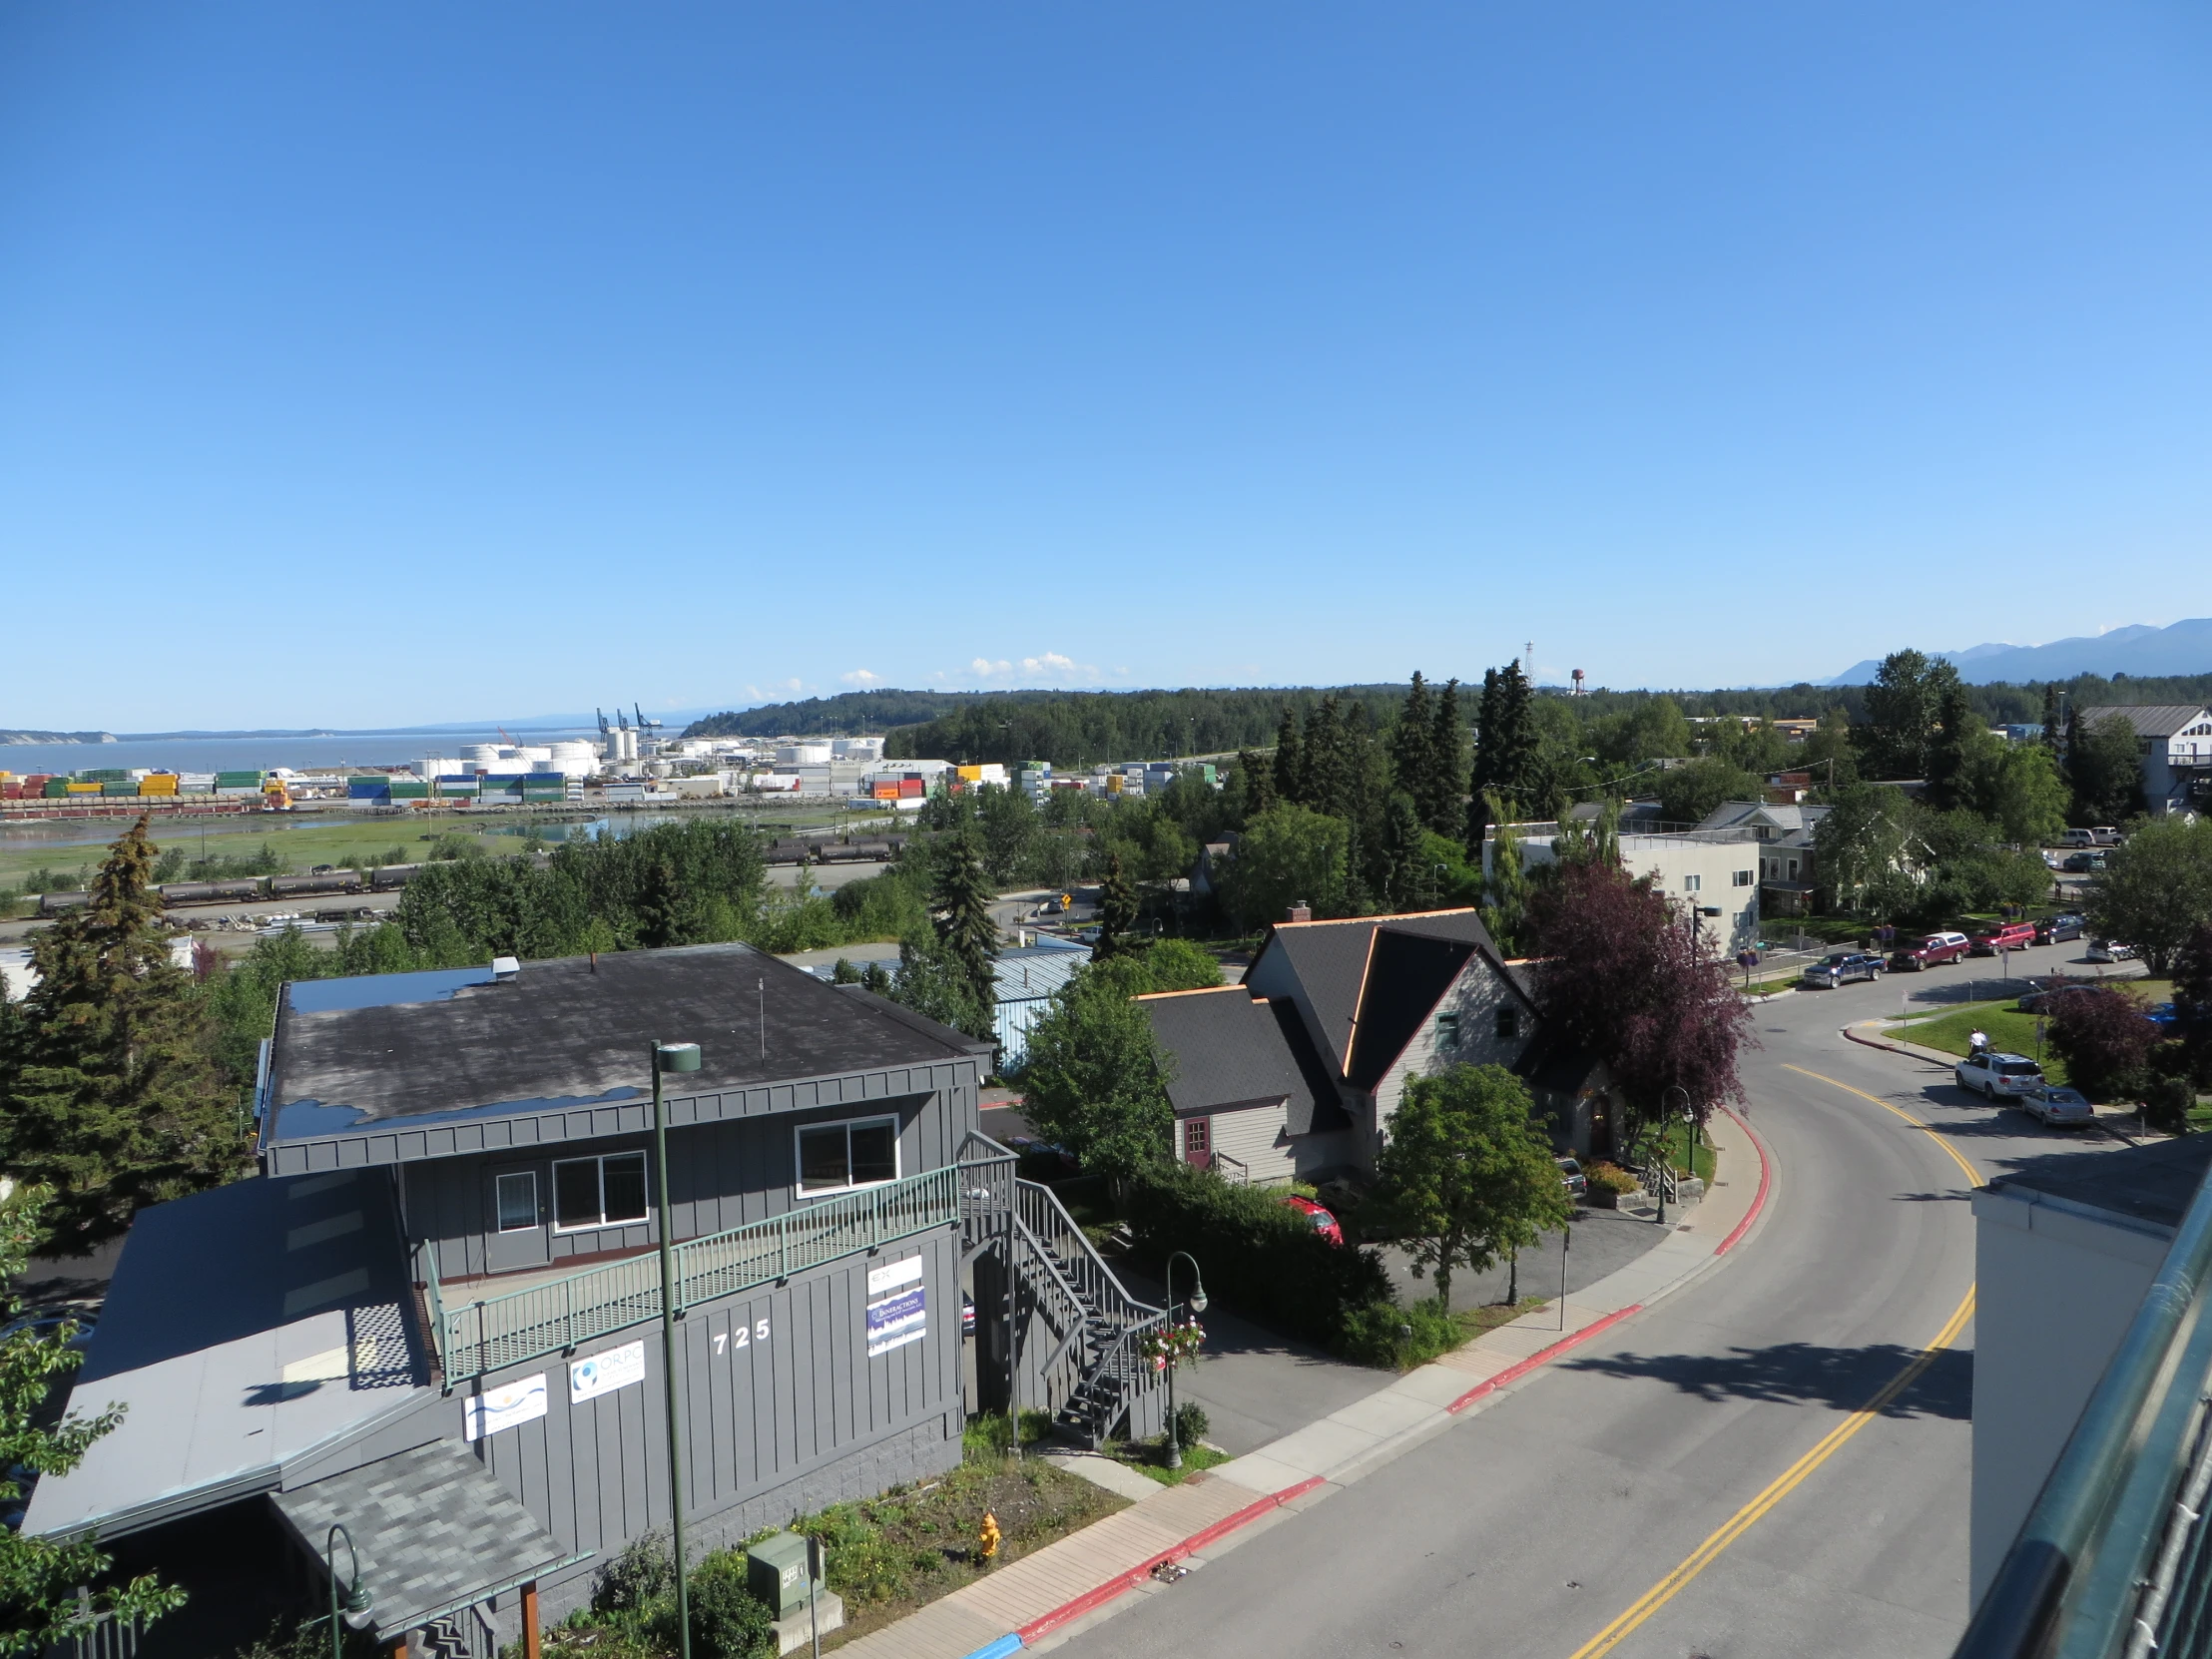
(1042, 668)
(863, 677)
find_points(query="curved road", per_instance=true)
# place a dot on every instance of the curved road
(1723, 1431)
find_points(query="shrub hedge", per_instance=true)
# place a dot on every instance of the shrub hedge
(1258, 1255)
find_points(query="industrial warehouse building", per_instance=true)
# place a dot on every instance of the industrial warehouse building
(434, 1315)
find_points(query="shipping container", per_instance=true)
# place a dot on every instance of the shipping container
(411, 789)
(238, 779)
(104, 774)
(161, 782)
(87, 788)
(55, 789)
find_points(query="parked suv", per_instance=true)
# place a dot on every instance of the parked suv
(2011, 935)
(1999, 1076)
(1930, 952)
(2058, 930)
(2080, 837)
(2106, 836)
(1840, 967)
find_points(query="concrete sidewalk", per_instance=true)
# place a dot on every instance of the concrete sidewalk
(1046, 1597)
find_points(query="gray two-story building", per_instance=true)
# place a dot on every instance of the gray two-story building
(433, 1318)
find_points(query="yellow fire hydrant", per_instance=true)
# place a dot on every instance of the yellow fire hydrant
(986, 1541)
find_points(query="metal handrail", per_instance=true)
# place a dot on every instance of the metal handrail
(2113, 1560)
(561, 1314)
(1041, 1212)
(1235, 1171)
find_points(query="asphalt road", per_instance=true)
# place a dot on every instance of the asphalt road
(1532, 1527)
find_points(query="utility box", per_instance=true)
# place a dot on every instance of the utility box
(775, 1572)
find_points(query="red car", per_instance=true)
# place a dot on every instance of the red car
(1324, 1223)
(1934, 948)
(2011, 935)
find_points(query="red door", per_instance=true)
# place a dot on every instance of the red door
(1198, 1141)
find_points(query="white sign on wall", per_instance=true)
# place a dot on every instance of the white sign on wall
(899, 1306)
(516, 1403)
(602, 1374)
(893, 1275)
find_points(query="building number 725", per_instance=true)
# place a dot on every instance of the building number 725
(745, 1337)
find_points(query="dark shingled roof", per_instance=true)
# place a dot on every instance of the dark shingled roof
(416, 1045)
(2153, 1183)
(1232, 1049)
(435, 1530)
(1385, 972)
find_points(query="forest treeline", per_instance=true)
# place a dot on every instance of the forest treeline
(1085, 728)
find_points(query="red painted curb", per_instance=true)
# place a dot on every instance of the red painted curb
(1120, 1582)
(1514, 1373)
(1759, 1201)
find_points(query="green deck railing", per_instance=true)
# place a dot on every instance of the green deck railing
(481, 1337)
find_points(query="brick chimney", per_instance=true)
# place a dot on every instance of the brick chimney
(1299, 911)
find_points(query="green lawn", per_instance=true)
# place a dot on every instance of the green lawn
(2007, 1028)
(1679, 1153)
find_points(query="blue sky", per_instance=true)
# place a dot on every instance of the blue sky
(415, 363)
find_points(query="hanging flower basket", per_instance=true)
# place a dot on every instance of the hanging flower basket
(1174, 1344)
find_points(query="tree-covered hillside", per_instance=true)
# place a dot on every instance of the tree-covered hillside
(1082, 729)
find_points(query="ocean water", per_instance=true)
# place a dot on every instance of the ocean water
(356, 749)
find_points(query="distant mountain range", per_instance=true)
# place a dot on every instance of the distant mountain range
(2140, 651)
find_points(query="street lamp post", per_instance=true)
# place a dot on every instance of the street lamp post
(358, 1599)
(1198, 1306)
(676, 1057)
(1671, 1090)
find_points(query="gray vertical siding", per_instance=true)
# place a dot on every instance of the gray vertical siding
(759, 1417)
(721, 1175)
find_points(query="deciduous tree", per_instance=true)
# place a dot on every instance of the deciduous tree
(1623, 976)
(39, 1578)
(2156, 890)
(1465, 1176)
(1285, 855)
(2101, 1034)
(1094, 1079)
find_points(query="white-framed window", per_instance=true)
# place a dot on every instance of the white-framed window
(1691, 883)
(516, 1194)
(838, 1157)
(1448, 1033)
(606, 1191)
(1743, 878)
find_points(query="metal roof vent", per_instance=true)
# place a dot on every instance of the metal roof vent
(504, 967)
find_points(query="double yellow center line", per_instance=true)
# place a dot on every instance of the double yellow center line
(1830, 1443)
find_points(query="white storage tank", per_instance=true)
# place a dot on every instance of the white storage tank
(479, 756)
(534, 752)
(436, 767)
(802, 754)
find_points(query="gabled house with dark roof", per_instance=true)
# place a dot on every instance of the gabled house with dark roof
(1341, 1014)
(440, 1300)
(2175, 743)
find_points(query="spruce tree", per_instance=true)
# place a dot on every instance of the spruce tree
(1437, 796)
(962, 912)
(2050, 717)
(1410, 740)
(1406, 884)
(113, 1100)
(1951, 749)
(1322, 773)
(1258, 780)
(1290, 762)
(1117, 910)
